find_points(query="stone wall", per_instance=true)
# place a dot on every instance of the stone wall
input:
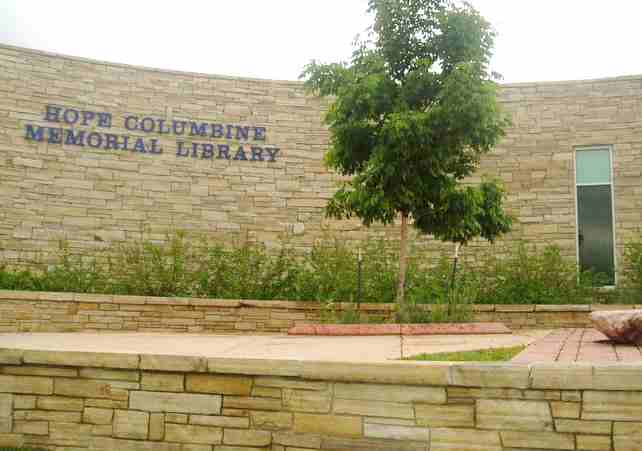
(103, 402)
(93, 197)
(26, 311)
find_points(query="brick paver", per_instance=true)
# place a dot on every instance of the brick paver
(578, 345)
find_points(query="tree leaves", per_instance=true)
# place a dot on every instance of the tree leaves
(413, 113)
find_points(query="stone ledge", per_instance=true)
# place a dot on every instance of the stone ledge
(548, 376)
(291, 305)
(514, 308)
(563, 308)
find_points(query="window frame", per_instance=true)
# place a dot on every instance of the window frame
(611, 150)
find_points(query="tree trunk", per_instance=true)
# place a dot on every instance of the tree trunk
(451, 290)
(403, 260)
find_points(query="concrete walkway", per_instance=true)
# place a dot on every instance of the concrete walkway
(353, 349)
(578, 345)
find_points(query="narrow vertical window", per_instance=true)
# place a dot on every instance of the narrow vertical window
(595, 211)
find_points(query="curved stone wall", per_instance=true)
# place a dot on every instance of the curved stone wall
(95, 153)
(102, 401)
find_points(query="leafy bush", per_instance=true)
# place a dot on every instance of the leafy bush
(631, 286)
(328, 273)
(530, 276)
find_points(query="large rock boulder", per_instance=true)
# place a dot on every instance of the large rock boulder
(621, 326)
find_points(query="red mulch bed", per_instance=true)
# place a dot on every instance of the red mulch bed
(400, 329)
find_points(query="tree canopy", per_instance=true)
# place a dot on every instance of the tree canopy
(413, 113)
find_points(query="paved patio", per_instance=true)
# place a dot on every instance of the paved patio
(578, 345)
(562, 345)
(351, 349)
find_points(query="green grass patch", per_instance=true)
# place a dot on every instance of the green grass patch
(21, 449)
(485, 355)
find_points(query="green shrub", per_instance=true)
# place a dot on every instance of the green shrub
(633, 265)
(331, 313)
(531, 276)
(630, 290)
(200, 268)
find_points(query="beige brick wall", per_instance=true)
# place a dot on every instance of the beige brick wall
(28, 311)
(63, 400)
(91, 198)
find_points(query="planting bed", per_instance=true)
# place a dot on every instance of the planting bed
(400, 329)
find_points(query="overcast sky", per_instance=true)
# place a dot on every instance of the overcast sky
(538, 39)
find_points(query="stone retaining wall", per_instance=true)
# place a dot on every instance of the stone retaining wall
(66, 400)
(27, 311)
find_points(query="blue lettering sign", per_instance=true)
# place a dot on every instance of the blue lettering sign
(35, 134)
(95, 140)
(128, 120)
(180, 151)
(154, 147)
(75, 139)
(52, 113)
(71, 116)
(149, 124)
(240, 154)
(104, 120)
(208, 152)
(140, 146)
(223, 152)
(272, 153)
(55, 135)
(259, 133)
(198, 129)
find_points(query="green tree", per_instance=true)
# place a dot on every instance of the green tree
(412, 114)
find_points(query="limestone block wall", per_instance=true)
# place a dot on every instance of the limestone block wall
(26, 311)
(94, 401)
(94, 196)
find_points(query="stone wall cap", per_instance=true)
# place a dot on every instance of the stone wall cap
(588, 81)
(206, 302)
(19, 295)
(94, 298)
(514, 308)
(296, 83)
(559, 376)
(55, 296)
(293, 83)
(602, 307)
(483, 307)
(134, 300)
(277, 303)
(563, 308)
(287, 304)
(82, 358)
